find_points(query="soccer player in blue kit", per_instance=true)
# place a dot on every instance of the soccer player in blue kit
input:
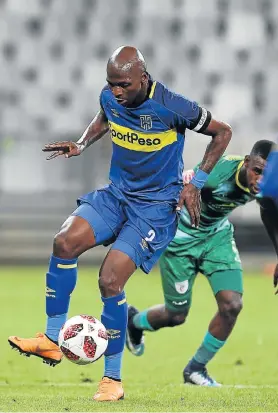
(137, 212)
(269, 189)
(269, 184)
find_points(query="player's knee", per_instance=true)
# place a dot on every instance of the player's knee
(176, 319)
(108, 283)
(231, 309)
(63, 246)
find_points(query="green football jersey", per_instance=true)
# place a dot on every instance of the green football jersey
(221, 194)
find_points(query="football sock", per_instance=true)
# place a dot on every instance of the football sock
(112, 366)
(206, 352)
(141, 321)
(53, 326)
(114, 318)
(60, 282)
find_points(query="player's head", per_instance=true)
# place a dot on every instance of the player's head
(255, 163)
(127, 76)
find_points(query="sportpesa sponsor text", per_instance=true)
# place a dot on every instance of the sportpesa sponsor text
(140, 141)
(133, 137)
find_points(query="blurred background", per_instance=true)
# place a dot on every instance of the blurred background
(53, 54)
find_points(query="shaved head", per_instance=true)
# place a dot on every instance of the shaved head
(254, 164)
(127, 57)
(127, 76)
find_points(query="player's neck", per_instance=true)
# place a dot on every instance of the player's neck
(242, 176)
(143, 95)
(140, 99)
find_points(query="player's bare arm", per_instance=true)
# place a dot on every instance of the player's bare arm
(269, 215)
(221, 134)
(95, 131)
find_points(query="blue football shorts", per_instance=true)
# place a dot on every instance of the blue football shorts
(140, 229)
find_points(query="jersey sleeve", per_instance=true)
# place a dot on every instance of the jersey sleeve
(187, 114)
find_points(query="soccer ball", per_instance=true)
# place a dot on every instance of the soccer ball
(83, 339)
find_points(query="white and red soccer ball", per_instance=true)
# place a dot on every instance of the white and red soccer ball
(83, 339)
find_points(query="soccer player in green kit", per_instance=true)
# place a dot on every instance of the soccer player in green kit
(211, 250)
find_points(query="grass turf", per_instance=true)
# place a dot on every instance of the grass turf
(152, 382)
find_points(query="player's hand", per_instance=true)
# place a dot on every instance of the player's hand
(191, 198)
(275, 278)
(66, 148)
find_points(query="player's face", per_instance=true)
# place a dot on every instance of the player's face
(254, 170)
(128, 86)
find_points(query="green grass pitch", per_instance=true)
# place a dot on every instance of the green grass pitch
(247, 365)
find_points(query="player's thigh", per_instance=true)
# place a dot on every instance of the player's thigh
(121, 261)
(75, 237)
(221, 264)
(97, 224)
(178, 273)
(104, 214)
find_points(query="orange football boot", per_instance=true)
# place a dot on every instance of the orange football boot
(109, 391)
(39, 346)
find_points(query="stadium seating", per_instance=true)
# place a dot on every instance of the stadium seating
(222, 53)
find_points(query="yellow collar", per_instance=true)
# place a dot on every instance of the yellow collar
(152, 89)
(237, 180)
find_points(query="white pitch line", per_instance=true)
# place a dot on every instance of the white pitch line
(224, 386)
(3, 384)
(237, 386)
(251, 386)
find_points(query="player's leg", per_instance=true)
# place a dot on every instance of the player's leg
(178, 271)
(122, 260)
(75, 237)
(80, 232)
(114, 273)
(135, 246)
(226, 283)
(229, 306)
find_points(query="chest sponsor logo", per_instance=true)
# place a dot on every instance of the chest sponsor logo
(134, 138)
(141, 141)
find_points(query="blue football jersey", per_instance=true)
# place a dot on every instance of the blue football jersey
(148, 141)
(269, 184)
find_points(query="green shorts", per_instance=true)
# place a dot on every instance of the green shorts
(216, 256)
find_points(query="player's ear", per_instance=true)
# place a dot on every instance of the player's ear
(246, 159)
(144, 78)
